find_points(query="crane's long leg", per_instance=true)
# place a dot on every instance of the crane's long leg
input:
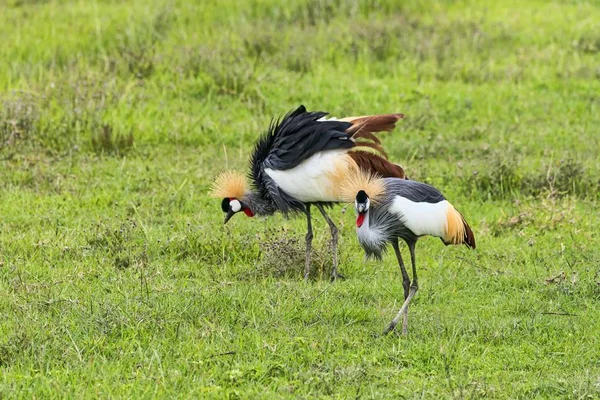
(405, 284)
(414, 286)
(309, 237)
(334, 242)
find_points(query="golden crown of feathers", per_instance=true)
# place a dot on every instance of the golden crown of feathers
(358, 179)
(230, 184)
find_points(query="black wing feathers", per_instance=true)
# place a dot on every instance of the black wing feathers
(300, 135)
(293, 139)
(413, 190)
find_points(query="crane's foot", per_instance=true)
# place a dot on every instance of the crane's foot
(336, 275)
(403, 312)
(391, 327)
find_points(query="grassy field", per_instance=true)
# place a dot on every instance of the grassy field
(118, 279)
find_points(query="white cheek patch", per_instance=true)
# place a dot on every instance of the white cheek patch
(235, 205)
(368, 204)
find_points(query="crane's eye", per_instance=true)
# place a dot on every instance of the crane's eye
(225, 204)
(235, 205)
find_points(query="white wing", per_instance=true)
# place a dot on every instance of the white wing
(313, 179)
(421, 218)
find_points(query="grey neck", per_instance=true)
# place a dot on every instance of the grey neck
(375, 232)
(259, 205)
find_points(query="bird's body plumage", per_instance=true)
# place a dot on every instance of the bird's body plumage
(402, 209)
(303, 159)
(314, 179)
(408, 210)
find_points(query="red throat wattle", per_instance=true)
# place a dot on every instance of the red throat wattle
(360, 218)
(248, 212)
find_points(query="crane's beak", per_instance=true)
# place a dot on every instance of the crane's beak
(230, 214)
(360, 219)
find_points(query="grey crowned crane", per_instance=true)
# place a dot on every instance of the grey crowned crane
(388, 209)
(301, 161)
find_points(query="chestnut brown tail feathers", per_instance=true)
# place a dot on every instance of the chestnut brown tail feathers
(373, 123)
(372, 162)
(469, 239)
(368, 152)
(366, 127)
(362, 145)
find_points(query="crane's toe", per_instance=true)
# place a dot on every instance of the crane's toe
(391, 327)
(336, 275)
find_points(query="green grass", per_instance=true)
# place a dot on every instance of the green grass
(118, 278)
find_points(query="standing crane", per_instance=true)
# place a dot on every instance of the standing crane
(388, 209)
(301, 161)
